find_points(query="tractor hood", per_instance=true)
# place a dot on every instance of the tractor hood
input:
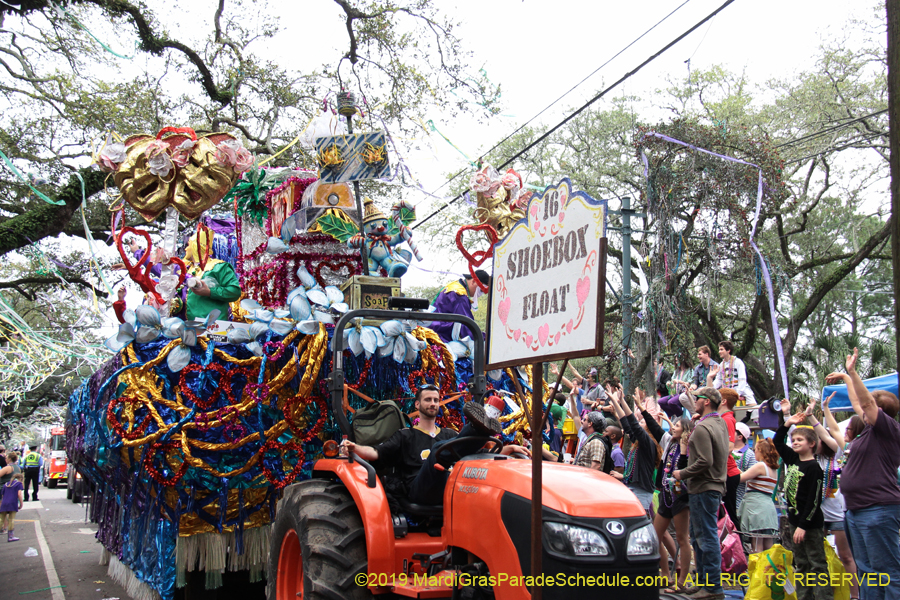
(566, 488)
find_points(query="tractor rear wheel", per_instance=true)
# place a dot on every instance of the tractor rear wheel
(318, 545)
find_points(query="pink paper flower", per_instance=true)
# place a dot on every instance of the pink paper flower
(480, 182)
(158, 160)
(111, 157)
(244, 160)
(232, 154)
(182, 154)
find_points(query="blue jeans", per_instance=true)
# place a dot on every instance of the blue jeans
(705, 539)
(874, 535)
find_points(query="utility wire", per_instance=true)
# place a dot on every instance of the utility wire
(549, 106)
(830, 129)
(712, 15)
(844, 147)
(590, 102)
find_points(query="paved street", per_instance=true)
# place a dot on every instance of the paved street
(57, 526)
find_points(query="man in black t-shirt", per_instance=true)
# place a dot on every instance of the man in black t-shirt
(413, 450)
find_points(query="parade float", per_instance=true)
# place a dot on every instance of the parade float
(191, 431)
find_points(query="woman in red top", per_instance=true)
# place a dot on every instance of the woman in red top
(729, 399)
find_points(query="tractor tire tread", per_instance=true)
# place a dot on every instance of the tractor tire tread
(334, 522)
(331, 536)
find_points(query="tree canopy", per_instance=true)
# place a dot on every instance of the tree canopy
(820, 139)
(73, 71)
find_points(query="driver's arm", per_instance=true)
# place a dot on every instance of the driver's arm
(515, 449)
(367, 453)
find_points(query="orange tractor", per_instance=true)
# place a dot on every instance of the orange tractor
(336, 537)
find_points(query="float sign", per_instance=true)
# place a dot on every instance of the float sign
(548, 297)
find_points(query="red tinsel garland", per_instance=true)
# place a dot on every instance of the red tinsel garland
(151, 452)
(117, 426)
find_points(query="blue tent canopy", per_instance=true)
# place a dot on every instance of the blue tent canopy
(842, 401)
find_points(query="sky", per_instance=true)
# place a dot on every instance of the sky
(537, 50)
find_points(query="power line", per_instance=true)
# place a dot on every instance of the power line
(871, 136)
(549, 106)
(830, 129)
(590, 102)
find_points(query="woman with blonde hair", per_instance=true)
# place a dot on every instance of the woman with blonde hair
(757, 512)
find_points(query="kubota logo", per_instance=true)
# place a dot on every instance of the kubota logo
(475, 473)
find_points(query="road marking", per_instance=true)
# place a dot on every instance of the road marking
(32, 505)
(56, 591)
(86, 531)
(66, 521)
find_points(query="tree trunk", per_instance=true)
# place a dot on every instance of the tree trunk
(893, 80)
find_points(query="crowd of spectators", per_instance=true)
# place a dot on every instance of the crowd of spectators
(689, 459)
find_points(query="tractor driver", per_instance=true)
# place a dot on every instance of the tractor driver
(413, 449)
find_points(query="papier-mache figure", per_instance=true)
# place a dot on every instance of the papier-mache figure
(381, 238)
(213, 284)
(501, 199)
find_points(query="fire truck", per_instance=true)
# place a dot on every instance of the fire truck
(55, 461)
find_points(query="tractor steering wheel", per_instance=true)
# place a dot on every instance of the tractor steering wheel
(454, 445)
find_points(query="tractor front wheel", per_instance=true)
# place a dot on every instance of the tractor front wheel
(52, 483)
(318, 545)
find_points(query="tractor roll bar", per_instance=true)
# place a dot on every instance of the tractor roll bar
(477, 384)
(370, 470)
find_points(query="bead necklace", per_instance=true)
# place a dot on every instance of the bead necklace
(832, 471)
(672, 457)
(629, 463)
(707, 415)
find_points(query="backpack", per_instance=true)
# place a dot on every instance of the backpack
(608, 464)
(377, 422)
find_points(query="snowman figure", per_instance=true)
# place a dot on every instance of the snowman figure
(381, 242)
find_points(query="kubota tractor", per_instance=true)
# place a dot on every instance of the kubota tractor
(335, 535)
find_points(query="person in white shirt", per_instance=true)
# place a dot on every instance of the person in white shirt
(732, 373)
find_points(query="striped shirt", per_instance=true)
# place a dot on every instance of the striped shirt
(764, 483)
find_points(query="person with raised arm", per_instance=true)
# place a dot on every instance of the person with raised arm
(869, 486)
(643, 455)
(803, 480)
(833, 503)
(673, 494)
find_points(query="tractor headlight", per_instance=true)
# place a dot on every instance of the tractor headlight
(575, 541)
(642, 541)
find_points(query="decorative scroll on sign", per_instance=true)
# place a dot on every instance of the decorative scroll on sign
(548, 292)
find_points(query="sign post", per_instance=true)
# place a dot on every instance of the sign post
(548, 303)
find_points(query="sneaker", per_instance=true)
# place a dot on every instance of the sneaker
(476, 415)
